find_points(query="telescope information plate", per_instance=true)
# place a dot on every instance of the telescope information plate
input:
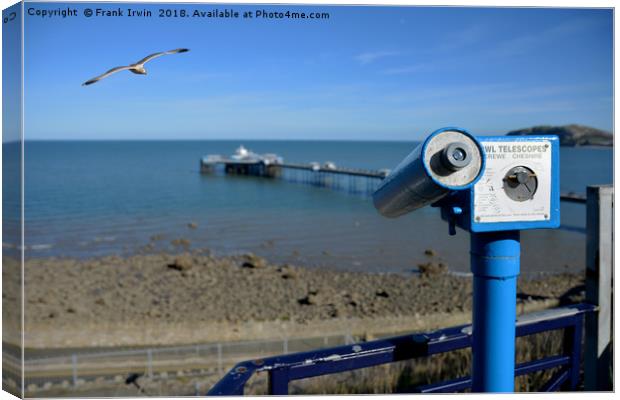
(516, 185)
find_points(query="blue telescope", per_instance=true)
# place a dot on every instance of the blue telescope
(493, 187)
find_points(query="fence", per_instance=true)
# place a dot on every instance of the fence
(75, 369)
(287, 368)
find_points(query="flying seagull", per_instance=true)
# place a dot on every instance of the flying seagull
(137, 68)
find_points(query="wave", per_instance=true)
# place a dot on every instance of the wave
(99, 239)
(43, 246)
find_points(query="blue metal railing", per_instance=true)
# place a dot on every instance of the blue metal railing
(286, 368)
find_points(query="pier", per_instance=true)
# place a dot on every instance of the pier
(245, 162)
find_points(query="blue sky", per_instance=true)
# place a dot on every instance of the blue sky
(366, 73)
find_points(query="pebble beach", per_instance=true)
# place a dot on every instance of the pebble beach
(191, 297)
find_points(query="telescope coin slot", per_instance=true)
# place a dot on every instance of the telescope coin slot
(520, 183)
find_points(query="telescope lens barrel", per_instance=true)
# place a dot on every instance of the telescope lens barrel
(449, 159)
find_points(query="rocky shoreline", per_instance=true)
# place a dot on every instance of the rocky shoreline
(165, 299)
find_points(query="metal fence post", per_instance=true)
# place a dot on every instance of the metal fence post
(74, 369)
(219, 358)
(278, 381)
(149, 362)
(599, 278)
(572, 347)
(348, 339)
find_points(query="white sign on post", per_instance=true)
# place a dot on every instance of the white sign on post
(516, 185)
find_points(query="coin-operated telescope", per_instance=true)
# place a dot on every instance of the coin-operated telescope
(493, 187)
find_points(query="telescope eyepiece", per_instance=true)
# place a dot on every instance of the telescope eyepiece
(450, 159)
(455, 156)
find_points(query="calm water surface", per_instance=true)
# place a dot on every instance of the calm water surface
(87, 199)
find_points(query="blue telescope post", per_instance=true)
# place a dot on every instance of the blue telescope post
(492, 187)
(495, 266)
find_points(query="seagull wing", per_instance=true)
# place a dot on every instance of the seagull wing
(161, 53)
(110, 72)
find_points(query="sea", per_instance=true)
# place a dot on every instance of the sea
(95, 198)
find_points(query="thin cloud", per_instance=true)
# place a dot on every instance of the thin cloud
(408, 69)
(370, 57)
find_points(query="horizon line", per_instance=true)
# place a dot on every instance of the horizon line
(211, 140)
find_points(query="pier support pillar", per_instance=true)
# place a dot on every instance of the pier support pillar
(495, 261)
